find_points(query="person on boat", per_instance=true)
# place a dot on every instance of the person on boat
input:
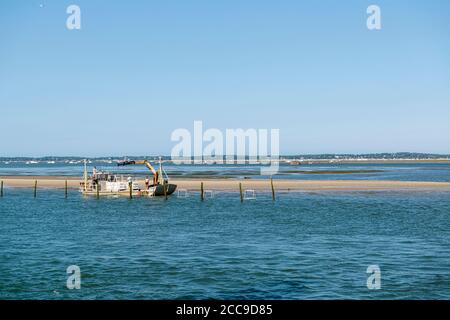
(147, 183)
(94, 175)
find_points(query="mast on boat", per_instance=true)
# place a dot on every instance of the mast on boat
(85, 175)
(160, 172)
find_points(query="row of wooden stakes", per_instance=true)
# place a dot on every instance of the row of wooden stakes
(35, 188)
(202, 191)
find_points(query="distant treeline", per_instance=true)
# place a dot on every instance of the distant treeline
(397, 155)
(327, 156)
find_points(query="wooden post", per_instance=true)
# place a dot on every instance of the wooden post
(66, 189)
(1, 189)
(273, 190)
(35, 188)
(165, 189)
(202, 192)
(97, 190)
(240, 191)
(130, 186)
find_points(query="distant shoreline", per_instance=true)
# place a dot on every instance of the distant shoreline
(370, 161)
(261, 185)
(302, 158)
(287, 161)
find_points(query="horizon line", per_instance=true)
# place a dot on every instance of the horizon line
(281, 155)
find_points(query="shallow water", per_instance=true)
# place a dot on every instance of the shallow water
(327, 171)
(303, 246)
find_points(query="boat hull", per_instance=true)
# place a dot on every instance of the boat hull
(156, 191)
(159, 189)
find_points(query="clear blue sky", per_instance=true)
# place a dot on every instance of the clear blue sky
(137, 70)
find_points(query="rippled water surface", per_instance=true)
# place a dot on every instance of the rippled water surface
(302, 246)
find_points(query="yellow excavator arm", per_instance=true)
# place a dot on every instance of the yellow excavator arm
(146, 163)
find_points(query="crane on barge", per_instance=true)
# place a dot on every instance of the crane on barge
(161, 185)
(104, 183)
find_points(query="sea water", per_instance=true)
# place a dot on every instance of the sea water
(304, 245)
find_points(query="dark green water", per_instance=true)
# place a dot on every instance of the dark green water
(303, 246)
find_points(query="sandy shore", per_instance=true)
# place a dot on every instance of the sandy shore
(233, 184)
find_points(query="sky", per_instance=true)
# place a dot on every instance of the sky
(138, 70)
